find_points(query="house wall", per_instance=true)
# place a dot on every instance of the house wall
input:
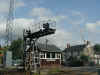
(96, 59)
(70, 53)
(88, 51)
(73, 53)
(76, 52)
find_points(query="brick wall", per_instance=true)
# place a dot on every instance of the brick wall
(45, 63)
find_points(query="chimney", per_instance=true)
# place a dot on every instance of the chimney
(68, 45)
(87, 42)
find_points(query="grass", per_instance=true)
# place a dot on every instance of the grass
(67, 71)
(58, 71)
(53, 71)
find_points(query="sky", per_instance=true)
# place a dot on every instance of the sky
(76, 20)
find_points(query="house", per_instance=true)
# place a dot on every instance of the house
(96, 58)
(43, 55)
(50, 55)
(77, 50)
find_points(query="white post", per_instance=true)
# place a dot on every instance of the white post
(56, 55)
(60, 58)
(50, 55)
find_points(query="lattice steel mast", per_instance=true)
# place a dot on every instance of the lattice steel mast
(9, 23)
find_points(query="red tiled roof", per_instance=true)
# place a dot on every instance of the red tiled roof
(1, 48)
(1, 54)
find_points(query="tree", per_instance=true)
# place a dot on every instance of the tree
(84, 58)
(16, 48)
(97, 48)
(74, 62)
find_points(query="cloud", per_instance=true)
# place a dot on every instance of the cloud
(19, 25)
(35, 3)
(4, 5)
(24, 23)
(40, 12)
(93, 27)
(93, 31)
(45, 14)
(20, 4)
(2, 26)
(2, 29)
(75, 17)
(60, 38)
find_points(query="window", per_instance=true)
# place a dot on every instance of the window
(36, 60)
(75, 53)
(53, 55)
(48, 55)
(36, 54)
(42, 55)
(58, 55)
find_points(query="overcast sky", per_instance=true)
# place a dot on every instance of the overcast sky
(76, 20)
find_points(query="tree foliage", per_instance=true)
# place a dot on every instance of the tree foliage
(97, 48)
(84, 58)
(74, 62)
(16, 48)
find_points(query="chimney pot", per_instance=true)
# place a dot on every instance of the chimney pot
(68, 45)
